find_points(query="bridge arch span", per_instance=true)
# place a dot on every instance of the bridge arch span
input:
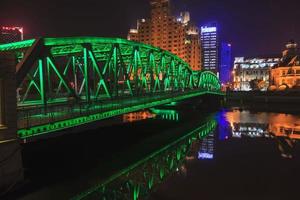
(65, 82)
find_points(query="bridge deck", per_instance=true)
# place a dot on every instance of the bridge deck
(37, 121)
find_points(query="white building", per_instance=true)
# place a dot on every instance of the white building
(252, 69)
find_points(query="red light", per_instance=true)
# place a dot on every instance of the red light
(12, 28)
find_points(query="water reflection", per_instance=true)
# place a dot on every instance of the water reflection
(138, 116)
(206, 151)
(166, 114)
(282, 128)
(252, 152)
(162, 114)
(199, 145)
(138, 180)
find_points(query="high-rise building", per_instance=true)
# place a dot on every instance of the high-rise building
(210, 47)
(193, 47)
(175, 34)
(10, 34)
(226, 63)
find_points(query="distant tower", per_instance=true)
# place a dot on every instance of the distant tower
(175, 34)
(290, 54)
(291, 45)
(210, 47)
(160, 8)
(225, 63)
(10, 34)
(186, 18)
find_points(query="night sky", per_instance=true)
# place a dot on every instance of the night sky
(254, 27)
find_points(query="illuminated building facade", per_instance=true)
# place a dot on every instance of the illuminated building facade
(226, 63)
(253, 73)
(175, 34)
(210, 47)
(10, 34)
(287, 73)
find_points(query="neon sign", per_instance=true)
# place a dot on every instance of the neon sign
(205, 156)
(205, 29)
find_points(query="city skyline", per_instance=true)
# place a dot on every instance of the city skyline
(149, 99)
(246, 24)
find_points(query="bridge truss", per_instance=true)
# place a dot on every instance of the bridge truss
(65, 82)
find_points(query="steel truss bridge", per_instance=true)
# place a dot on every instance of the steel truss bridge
(67, 82)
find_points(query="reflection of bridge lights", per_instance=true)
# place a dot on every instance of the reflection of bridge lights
(205, 156)
(137, 116)
(166, 114)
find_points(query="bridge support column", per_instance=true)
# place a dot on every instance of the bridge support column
(11, 171)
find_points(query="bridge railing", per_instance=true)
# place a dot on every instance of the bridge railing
(37, 116)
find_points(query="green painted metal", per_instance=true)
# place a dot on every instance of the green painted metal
(87, 71)
(17, 45)
(42, 83)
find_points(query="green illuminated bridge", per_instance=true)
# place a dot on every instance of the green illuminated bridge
(67, 82)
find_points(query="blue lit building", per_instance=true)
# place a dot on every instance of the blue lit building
(210, 47)
(226, 63)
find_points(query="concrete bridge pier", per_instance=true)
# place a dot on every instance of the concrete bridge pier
(11, 171)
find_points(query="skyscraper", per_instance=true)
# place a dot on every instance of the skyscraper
(226, 64)
(175, 34)
(210, 47)
(10, 34)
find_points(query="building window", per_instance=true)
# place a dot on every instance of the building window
(2, 111)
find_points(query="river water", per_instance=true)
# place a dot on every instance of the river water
(170, 152)
(251, 155)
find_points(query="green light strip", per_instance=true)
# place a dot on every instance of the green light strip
(61, 125)
(17, 45)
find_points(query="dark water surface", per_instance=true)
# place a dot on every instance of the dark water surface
(170, 153)
(253, 155)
